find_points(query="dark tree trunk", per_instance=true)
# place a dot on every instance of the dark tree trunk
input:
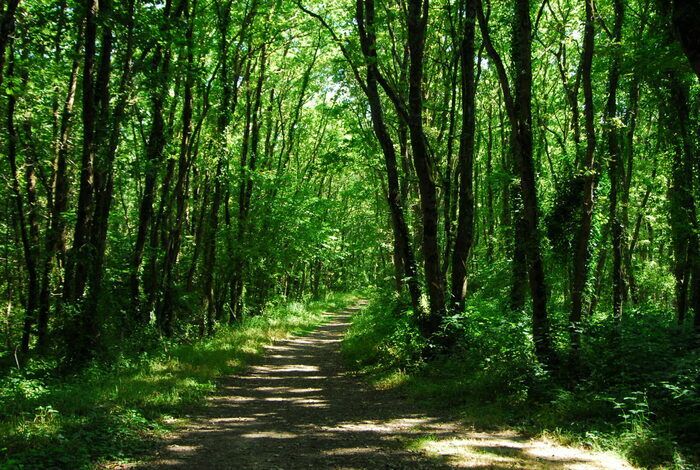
(249, 157)
(490, 215)
(7, 26)
(687, 26)
(519, 114)
(683, 216)
(449, 173)
(154, 150)
(615, 166)
(229, 102)
(402, 237)
(581, 255)
(522, 61)
(465, 221)
(75, 271)
(95, 194)
(417, 22)
(518, 275)
(27, 235)
(165, 312)
(56, 233)
(631, 125)
(109, 130)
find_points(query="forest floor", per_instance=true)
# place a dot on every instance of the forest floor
(300, 408)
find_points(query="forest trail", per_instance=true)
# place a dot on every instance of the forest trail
(298, 408)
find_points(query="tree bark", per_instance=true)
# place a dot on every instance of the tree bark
(402, 237)
(683, 216)
(7, 26)
(154, 150)
(685, 22)
(165, 313)
(465, 221)
(76, 262)
(28, 239)
(417, 22)
(55, 246)
(615, 164)
(581, 256)
(519, 114)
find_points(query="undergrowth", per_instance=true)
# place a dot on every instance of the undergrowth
(117, 412)
(638, 395)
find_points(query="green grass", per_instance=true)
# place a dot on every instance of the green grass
(117, 412)
(639, 398)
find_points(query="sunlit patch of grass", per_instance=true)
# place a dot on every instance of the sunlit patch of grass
(419, 444)
(117, 412)
(389, 380)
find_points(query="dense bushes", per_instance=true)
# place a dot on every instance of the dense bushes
(114, 411)
(639, 394)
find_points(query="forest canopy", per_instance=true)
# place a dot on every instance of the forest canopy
(171, 167)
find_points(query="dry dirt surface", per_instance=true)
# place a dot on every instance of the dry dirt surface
(298, 408)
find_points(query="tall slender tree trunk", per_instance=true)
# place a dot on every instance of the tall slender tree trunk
(683, 216)
(581, 256)
(417, 22)
(402, 237)
(27, 238)
(87, 253)
(449, 173)
(229, 102)
(615, 165)
(631, 125)
(56, 234)
(522, 61)
(7, 26)
(519, 114)
(75, 271)
(166, 311)
(490, 213)
(154, 150)
(465, 221)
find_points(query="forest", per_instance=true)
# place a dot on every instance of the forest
(512, 185)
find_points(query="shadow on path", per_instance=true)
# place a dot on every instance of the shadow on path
(298, 409)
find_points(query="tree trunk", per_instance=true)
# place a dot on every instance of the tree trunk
(56, 234)
(417, 21)
(615, 165)
(165, 312)
(683, 216)
(580, 268)
(490, 214)
(402, 237)
(465, 221)
(522, 61)
(75, 272)
(519, 115)
(7, 26)
(685, 22)
(28, 239)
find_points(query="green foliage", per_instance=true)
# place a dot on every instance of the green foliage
(565, 217)
(116, 411)
(383, 336)
(639, 396)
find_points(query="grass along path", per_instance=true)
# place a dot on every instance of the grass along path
(299, 408)
(118, 413)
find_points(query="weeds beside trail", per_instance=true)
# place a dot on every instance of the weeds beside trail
(633, 407)
(116, 412)
(299, 408)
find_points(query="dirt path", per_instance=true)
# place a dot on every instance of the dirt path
(298, 409)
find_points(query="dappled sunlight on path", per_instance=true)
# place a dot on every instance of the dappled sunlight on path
(298, 409)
